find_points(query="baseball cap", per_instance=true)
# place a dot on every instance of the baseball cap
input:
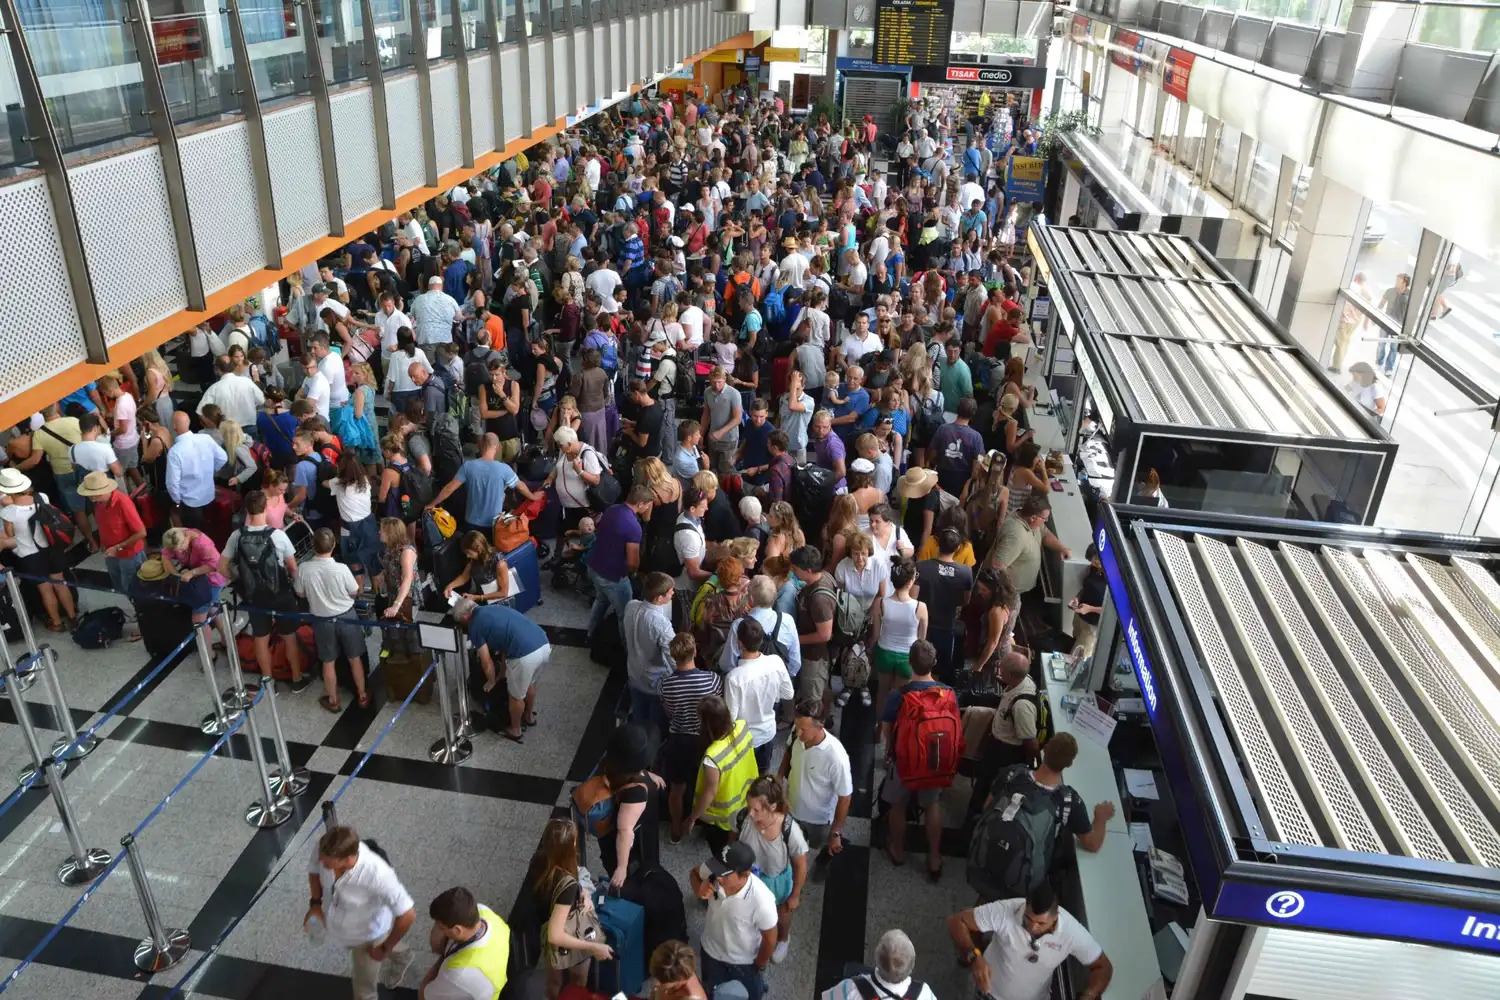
(735, 857)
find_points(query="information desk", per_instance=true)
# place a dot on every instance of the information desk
(1114, 911)
(1070, 518)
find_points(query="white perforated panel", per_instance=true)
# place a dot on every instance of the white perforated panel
(403, 112)
(216, 172)
(40, 335)
(536, 88)
(562, 68)
(446, 123)
(354, 145)
(582, 37)
(296, 176)
(511, 90)
(125, 198)
(481, 104)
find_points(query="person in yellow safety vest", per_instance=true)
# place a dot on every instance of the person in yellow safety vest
(725, 775)
(473, 948)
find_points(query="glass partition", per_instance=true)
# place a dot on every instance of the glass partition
(15, 152)
(278, 57)
(1260, 189)
(510, 20)
(1226, 160)
(393, 34)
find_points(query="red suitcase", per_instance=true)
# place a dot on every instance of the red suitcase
(218, 519)
(149, 509)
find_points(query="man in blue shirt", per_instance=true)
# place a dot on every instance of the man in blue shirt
(503, 633)
(754, 460)
(848, 414)
(87, 397)
(486, 479)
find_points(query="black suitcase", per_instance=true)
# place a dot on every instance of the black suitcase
(163, 624)
(605, 647)
(657, 892)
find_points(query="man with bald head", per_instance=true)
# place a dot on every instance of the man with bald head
(486, 479)
(1012, 737)
(191, 463)
(431, 389)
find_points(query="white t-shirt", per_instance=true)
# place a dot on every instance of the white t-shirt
(692, 319)
(353, 501)
(819, 777)
(318, 390)
(361, 907)
(27, 541)
(332, 367)
(603, 282)
(399, 371)
(817, 328)
(794, 268)
(125, 414)
(968, 193)
(848, 990)
(1013, 976)
(93, 456)
(862, 585)
(279, 541)
(688, 545)
(413, 231)
(854, 348)
(733, 926)
(751, 691)
(388, 327)
(571, 488)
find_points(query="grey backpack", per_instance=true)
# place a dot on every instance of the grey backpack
(1012, 845)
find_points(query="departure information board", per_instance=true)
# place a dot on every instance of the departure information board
(913, 32)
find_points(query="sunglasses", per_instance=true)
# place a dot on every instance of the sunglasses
(1034, 956)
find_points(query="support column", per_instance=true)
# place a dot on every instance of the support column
(1370, 59)
(1327, 239)
(376, 76)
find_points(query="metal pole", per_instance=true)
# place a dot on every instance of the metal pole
(452, 748)
(217, 722)
(28, 731)
(463, 721)
(270, 809)
(163, 947)
(18, 602)
(63, 747)
(85, 863)
(288, 779)
(330, 816)
(237, 695)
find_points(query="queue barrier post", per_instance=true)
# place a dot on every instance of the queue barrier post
(452, 748)
(23, 719)
(67, 746)
(85, 863)
(271, 808)
(17, 601)
(217, 721)
(238, 696)
(463, 721)
(162, 947)
(288, 779)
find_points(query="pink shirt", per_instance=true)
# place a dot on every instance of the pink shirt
(276, 511)
(202, 552)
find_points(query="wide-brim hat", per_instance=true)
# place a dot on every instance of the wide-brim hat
(790, 242)
(97, 484)
(629, 748)
(14, 481)
(916, 483)
(152, 569)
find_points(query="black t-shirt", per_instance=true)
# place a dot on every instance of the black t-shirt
(647, 846)
(913, 518)
(943, 587)
(721, 523)
(1020, 778)
(648, 421)
(1091, 591)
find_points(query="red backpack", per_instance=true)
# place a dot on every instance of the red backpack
(929, 738)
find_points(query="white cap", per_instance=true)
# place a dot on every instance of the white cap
(862, 465)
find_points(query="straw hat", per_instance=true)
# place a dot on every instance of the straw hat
(916, 483)
(152, 569)
(97, 484)
(14, 481)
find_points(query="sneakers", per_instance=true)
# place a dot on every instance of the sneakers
(782, 947)
(301, 684)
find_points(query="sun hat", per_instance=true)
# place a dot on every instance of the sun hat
(629, 748)
(97, 484)
(862, 465)
(14, 481)
(916, 483)
(152, 569)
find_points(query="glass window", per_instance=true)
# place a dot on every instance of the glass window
(1464, 28)
(973, 43)
(1226, 159)
(1464, 322)
(861, 43)
(1387, 257)
(1260, 189)
(814, 40)
(1171, 121)
(1299, 195)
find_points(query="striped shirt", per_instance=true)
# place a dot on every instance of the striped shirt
(681, 691)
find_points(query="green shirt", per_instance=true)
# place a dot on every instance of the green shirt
(954, 382)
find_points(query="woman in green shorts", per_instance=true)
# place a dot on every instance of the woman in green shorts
(897, 621)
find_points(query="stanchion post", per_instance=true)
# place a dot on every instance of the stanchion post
(218, 721)
(271, 809)
(23, 719)
(452, 748)
(18, 604)
(85, 863)
(463, 722)
(67, 746)
(163, 947)
(237, 696)
(288, 779)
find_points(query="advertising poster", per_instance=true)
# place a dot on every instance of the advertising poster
(1178, 69)
(1025, 178)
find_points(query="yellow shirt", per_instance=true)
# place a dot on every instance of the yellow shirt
(964, 555)
(57, 451)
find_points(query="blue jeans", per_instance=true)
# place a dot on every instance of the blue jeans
(712, 973)
(1385, 356)
(122, 571)
(646, 710)
(609, 594)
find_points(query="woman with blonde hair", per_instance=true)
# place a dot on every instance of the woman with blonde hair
(158, 385)
(674, 969)
(571, 934)
(1007, 427)
(843, 521)
(240, 472)
(396, 586)
(745, 550)
(564, 414)
(666, 490)
(359, 421)
(193, 558)
(571, 280)
(786, 534)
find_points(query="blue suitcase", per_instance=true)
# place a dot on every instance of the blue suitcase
(624, 926)
(523, 562)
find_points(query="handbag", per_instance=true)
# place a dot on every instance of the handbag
(512, 532)
(582, 922)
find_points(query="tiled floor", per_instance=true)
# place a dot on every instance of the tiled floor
(475, 825)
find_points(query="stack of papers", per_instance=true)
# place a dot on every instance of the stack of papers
(1140, 838)
(1141, 784)
(1167, 877)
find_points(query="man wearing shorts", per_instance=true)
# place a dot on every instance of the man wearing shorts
(264, 590)
(330, 590)
(815, 608)
(923, 659)
(499, 632)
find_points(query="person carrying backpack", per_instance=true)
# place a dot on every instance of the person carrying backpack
(311, 476)
(262, 562)
(1015, 841)
(922, 732)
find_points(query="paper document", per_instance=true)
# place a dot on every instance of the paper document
(1140, 837)
(1093, 724)
(1141, 784)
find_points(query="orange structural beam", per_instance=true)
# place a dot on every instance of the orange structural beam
(29, 401)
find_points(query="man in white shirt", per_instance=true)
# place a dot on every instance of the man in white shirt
(860, 340)
(1029, 939)
(970, 192)
(332, 367)
(692, 319)
(819, 782)
(591, 171)
(322, 298)
(411, 234)
(364, 907)
(895, 961)
(389, 320)
(794, 265)
(603, 283)
(316, 387)
(926, 147)
(689, 541)
(237, 397)
(191, 463)
(434, 313)
(778, 626)
(739, 929)
(752, 689)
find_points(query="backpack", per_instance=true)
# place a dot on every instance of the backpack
(260, 575)
(871, 990)
(663, 556)
(415, 487)
(324, 502)
(609, 355)
(447, 452)
(595, 803)
(1011, 848)
(262, 454)
(929, 419)
(840, 304)
(773, 309)
(848, 617)
(1043, 714)
(929, 738)
(443, 372)
(97, 629)
(57, 529)
(770, 645)
(685, 382)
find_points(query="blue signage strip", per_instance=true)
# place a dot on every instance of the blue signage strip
(1308, 909)
(1125, 611)
(867, 66)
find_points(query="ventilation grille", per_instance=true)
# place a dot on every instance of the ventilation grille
(446, 125)
(481, 104)
(354, 147)
(408, 144)
(297, 176)
(216, 171)
(43, 338)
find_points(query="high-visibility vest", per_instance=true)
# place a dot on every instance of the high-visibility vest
(490, 956)
(734, 758)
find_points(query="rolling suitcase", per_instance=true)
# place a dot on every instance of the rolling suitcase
(149, 507)
(523, 563)
(660, 897)
(402, 673)
(624, 926)
(218, 518)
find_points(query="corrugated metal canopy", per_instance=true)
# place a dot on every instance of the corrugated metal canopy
(1188, 348)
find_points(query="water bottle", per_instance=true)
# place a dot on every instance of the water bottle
(317, 930)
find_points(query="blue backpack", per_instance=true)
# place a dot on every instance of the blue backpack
(774, 307)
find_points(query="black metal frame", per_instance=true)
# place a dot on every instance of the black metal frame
(1087, 336)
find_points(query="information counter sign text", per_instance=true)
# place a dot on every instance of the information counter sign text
(913, 31)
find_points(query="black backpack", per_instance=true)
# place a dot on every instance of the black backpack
(447, 452)
(259, 573)
(685, 382)
(812, 496)
(1013, 843)
(323, 502)
(770, 645)
(416, 490)
(97, 629)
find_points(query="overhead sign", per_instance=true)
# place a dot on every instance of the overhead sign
(1125, 52)
(847, 64)
(178, 39)
(1179, 68)
(1015, 77)
(773, 54)
(913, 31)
(1309, 909)
(1025, 178)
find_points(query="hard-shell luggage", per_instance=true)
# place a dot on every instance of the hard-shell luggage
(523, 563)
(624, 926)
(218, 518)
(152, 514)
(403, 671)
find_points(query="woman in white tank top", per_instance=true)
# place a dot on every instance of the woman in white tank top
(898, 621)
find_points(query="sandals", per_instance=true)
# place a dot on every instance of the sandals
(329, 705)
(56, 627)
(507, 736)
(891, 857)
(935, 875)
(527, 723)
(363, 701)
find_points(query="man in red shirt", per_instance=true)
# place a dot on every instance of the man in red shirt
(122, 534)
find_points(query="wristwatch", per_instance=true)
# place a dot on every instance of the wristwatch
(316, 901)
(968, 957)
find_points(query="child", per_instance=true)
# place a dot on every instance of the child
(868, 446)
(681, 691)
(448, 353)
(579, 540)
(780, 847)
(330, 589)
(724, 348)
(831, 397)
(265, 374)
